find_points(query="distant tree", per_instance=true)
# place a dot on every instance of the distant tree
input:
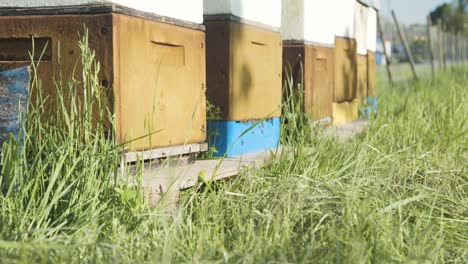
(442, 12)
(453, 16)
(460, 16)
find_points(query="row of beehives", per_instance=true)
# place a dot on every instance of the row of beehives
(155, 55)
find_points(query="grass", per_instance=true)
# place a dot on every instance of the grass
(396, 194)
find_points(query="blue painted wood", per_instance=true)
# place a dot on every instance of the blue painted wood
(14, 93)
(228, 136)
(371, 106)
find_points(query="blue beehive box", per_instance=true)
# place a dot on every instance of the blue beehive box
(235, 138)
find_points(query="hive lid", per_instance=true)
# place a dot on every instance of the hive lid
(192, 11)
(309, 22)
(371, 3)
(95, 9)
(262, 12)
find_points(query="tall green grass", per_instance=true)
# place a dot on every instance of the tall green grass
(395, 194)
(61, 190)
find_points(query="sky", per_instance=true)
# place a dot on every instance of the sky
(410, 11)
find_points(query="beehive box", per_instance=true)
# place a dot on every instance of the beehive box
(371, 50)
(345, 56)
(317, 65)
(153, 66)
(308, 35)
(345, 74)
(361, 25)
(244, 71)
(345, 51)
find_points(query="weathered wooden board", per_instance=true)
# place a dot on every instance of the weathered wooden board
(371, 75)
(159, 153)
(167, 181)
(14, 94)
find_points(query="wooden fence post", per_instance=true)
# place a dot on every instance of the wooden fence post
(387, 59)
(440, 46)
(453, 49)
(409, 55)
(431, 49)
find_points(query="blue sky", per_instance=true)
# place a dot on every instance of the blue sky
(410, 11)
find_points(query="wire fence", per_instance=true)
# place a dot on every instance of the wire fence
(426, 53)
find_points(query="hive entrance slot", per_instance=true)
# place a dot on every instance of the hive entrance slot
(18, 49)
(258, 43)
(169, 54)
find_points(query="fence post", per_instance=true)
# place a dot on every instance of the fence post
(406, 46)
(431, 49)
(453, 48)
(387, 59)
(445, 45)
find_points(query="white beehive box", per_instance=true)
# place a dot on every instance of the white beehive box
(187, 10)
(309, 20)
(361, 26)
(344, 11)
(372, 30)
(266, 12)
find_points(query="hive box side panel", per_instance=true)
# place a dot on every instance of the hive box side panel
(362, 79)
(162, 83)
(218, 52)
(318, 89)
(371, 75)
(192, 10)
(50, 33)
(345, 74)
(316, 63)
(256, 73)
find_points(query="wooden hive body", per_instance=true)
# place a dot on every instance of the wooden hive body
(153, 67)
(361, 26)
(308, 34)
(244, 73)
(244, 58)
(244, 70)
(345, 106)
(371, 50)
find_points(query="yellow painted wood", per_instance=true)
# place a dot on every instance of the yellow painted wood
(345, 112)
(362, 78)
(345, 75)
